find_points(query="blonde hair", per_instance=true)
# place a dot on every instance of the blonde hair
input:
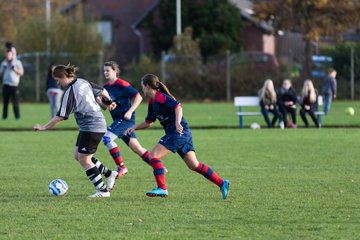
(308, 90)
(268, 86)
(68, 71)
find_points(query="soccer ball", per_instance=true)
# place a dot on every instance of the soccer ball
(255, 126)
(350, 111)
(58, 187)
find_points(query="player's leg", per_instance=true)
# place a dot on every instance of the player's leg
(86, 146)
(203, 169)
(156, 154)
(136, 147)
(109, 142)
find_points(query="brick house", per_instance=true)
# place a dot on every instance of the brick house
(118, 23)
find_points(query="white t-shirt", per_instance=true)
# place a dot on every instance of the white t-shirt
(10, 77)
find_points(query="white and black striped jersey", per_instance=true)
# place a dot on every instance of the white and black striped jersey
(79, 98)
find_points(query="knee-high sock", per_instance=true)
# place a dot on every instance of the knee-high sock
(159, 172)
(116, 155)
(95, 177)
(101, 167)
(208, 173)
(146, 158)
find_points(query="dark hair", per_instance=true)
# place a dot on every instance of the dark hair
(68, 71)
(8, 45)
(154, 82)
(114, 66)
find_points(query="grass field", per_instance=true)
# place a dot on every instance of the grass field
(286, 184)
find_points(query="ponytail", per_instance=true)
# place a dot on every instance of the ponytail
(68, 71)
(154, 82)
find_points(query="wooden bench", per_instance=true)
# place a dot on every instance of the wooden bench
(251, 101)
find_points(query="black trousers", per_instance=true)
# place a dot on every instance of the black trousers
(311, 112)
(284, 112)
(11, 93)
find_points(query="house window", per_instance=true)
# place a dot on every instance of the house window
(104, 28)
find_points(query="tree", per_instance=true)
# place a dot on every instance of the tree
(216, 25)
(312, 18)
(23, 23)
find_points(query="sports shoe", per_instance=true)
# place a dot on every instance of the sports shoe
(122, 171)
(100, 194)
(110, 181)
(225, 189)
(158, 192)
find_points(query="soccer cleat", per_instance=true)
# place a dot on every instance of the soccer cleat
(100, 194)
(225, 189)
(110, 181)
(122, 171)
(158, 192)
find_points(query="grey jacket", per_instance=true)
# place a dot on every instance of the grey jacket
(329, 86)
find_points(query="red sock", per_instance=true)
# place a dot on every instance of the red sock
(208, 173)
(145, 157)
(115, 153)
(159, 172)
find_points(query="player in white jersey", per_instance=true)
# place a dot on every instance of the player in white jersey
(80, 99)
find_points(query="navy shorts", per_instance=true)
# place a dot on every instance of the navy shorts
(118, 127)
(181, 144)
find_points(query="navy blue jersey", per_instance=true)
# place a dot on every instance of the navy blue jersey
(121, 92)
(162, 107)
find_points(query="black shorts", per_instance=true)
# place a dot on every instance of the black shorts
(87, 142)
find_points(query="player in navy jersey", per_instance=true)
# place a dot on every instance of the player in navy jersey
(80, 99)
(164, 107)
(127, 99)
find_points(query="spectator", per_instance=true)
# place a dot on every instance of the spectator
(9, 47)
(329, 89)
(12, 70)
(308, 102)
(287, 103)
(268, 100)
(53, 91)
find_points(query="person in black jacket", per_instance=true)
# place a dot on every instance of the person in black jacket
(287, 103)
(308, 102)
(268, 101)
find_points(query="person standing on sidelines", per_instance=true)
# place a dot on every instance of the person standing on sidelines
(329, 89)
(80, 99)
(12, 69)
(164, 107)
(127, 100)
(53, 91)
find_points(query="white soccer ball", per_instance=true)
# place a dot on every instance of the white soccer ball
(58, 187)
(255, 126)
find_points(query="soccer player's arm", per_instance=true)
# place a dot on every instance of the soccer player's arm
(178, 117)
(136, 100)
(107, 100)
(54, 121)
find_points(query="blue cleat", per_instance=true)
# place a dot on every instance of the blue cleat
(225, 189)
(158, 192)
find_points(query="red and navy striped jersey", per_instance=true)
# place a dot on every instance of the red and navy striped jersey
(121, 92)
(162, 107)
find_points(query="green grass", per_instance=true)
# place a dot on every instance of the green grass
(290, 184)
(198, 115)
(286, 184)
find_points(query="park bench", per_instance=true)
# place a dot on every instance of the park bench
(252, 101)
